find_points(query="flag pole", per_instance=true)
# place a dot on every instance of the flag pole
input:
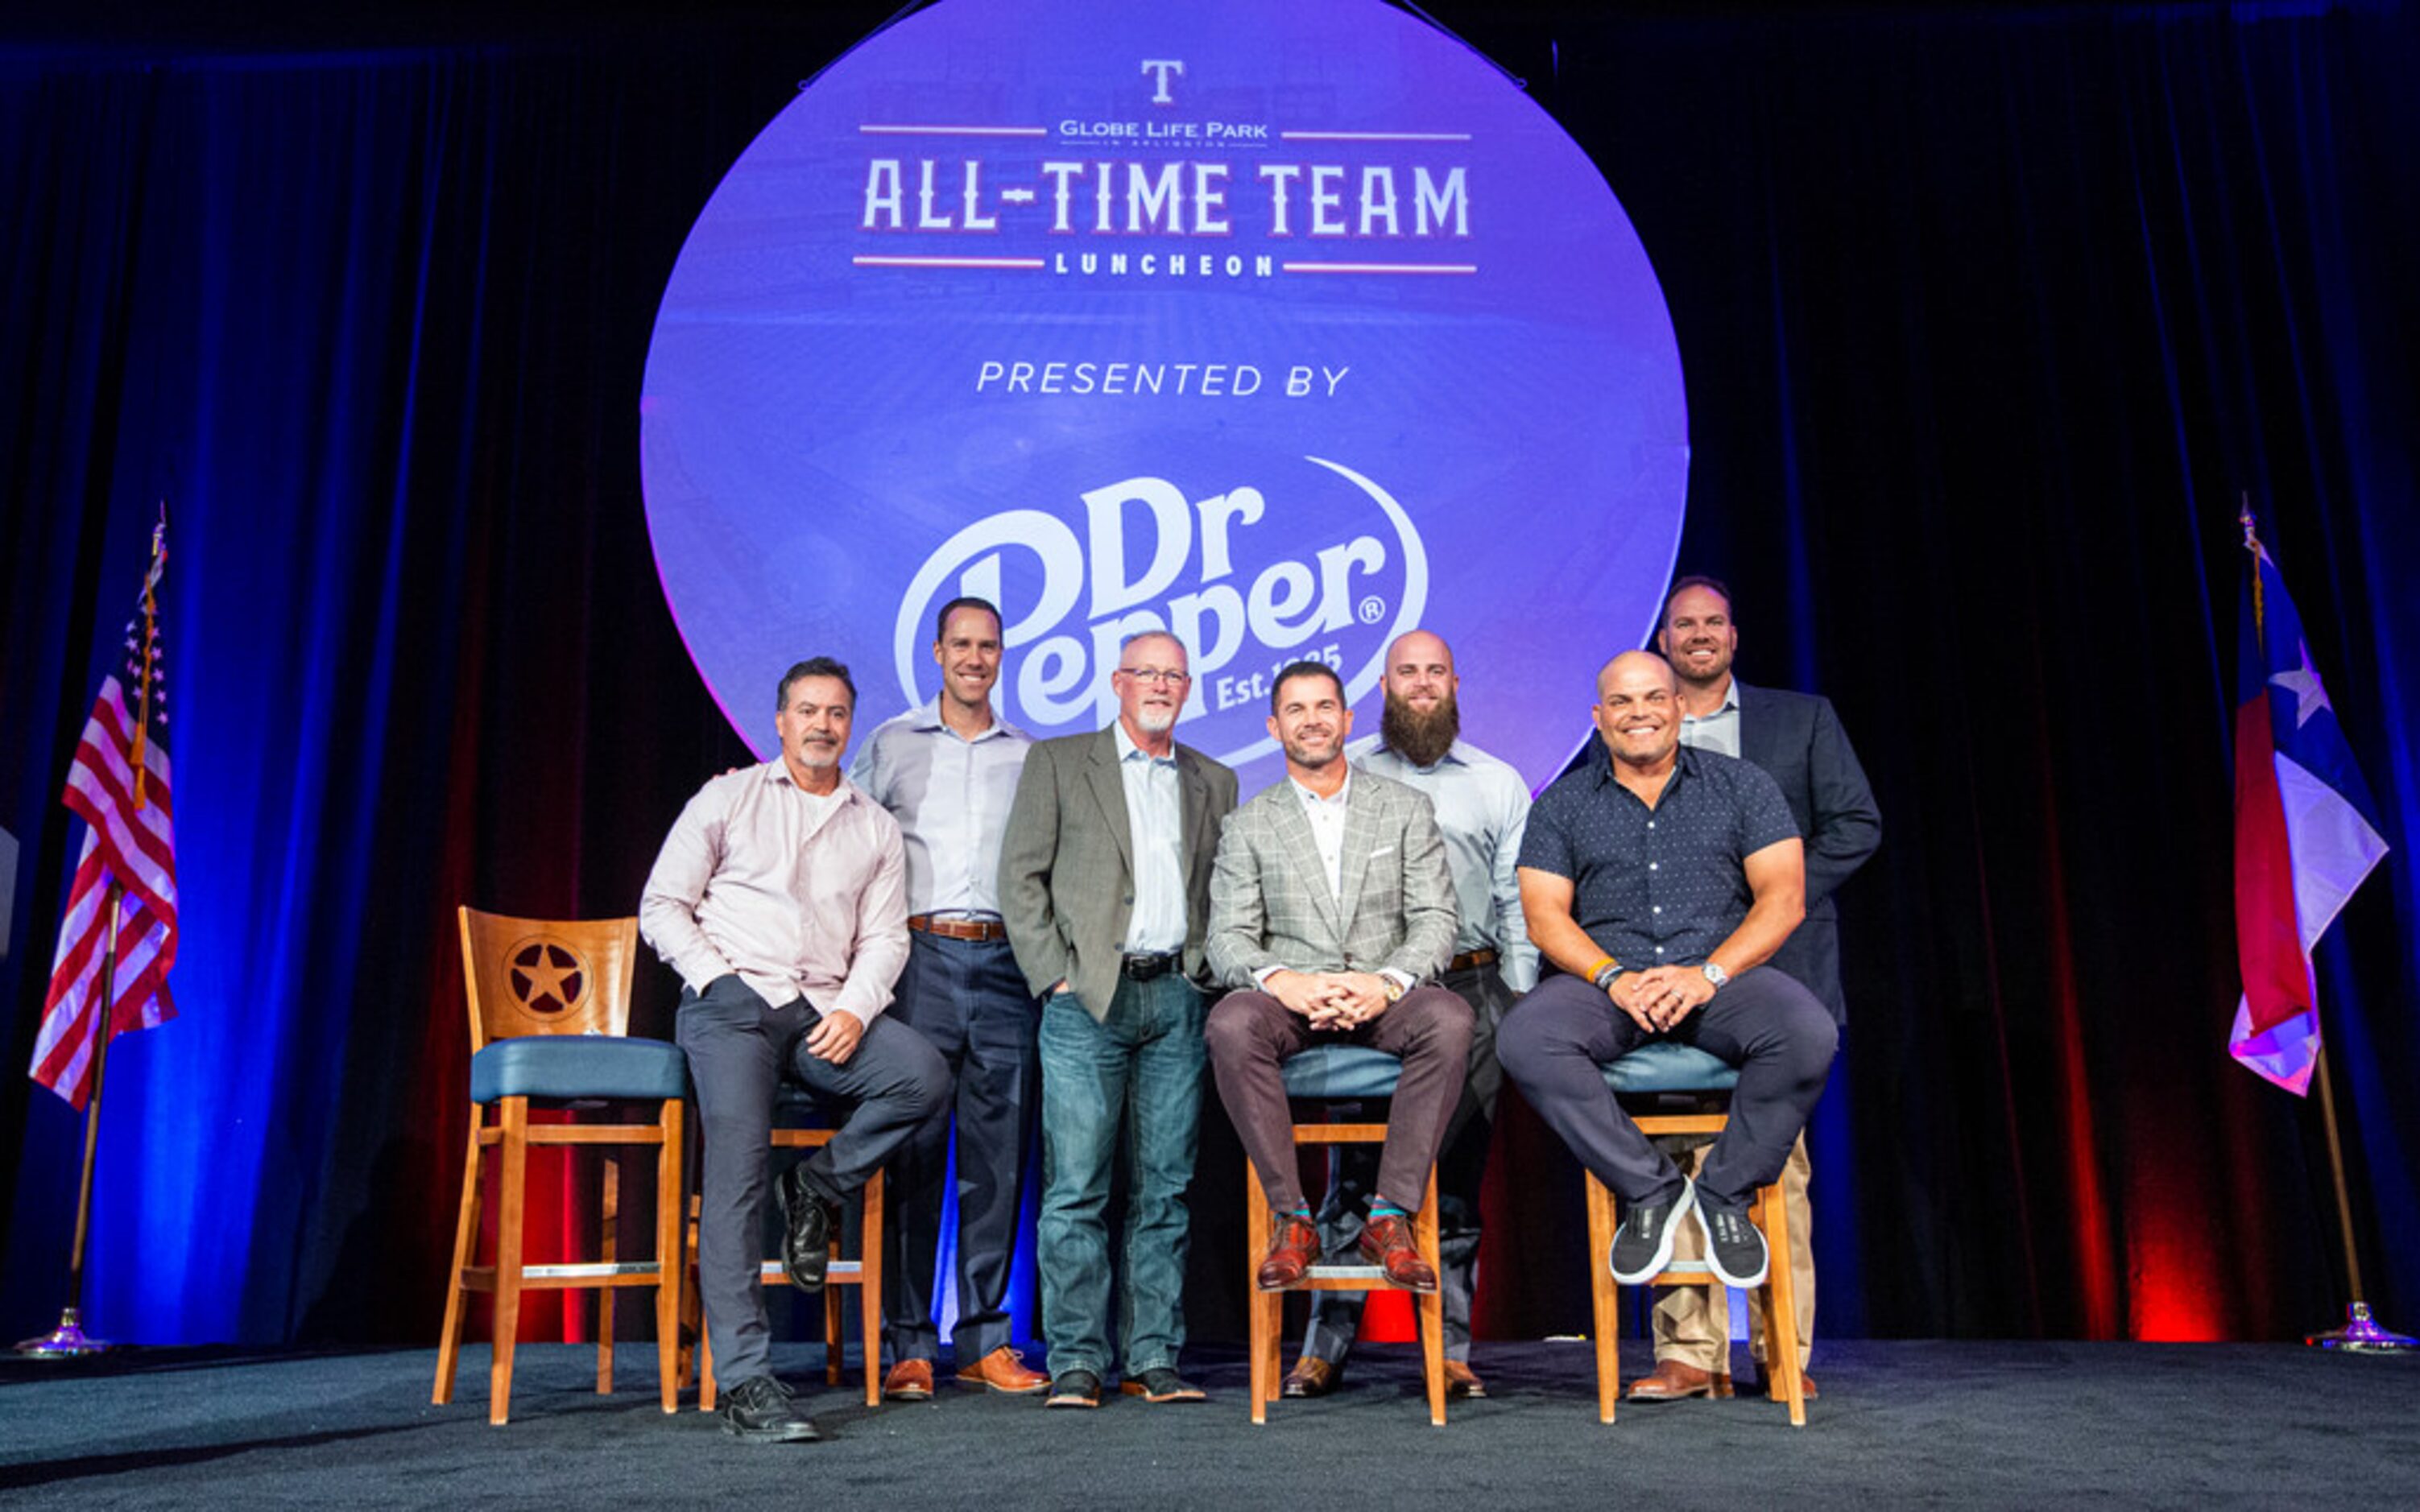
(2362, 1334)
(69, 1341)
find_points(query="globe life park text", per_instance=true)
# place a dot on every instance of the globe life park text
(1306, 204)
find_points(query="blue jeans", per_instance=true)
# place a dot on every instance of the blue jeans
(1141, 1069)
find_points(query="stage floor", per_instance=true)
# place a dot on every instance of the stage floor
(1991, 1424)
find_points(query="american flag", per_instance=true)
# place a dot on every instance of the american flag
(118, 783)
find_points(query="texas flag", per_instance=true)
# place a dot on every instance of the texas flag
(2305, 831)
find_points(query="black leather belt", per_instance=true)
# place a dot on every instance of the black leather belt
(1147, 967)
(1471, 961)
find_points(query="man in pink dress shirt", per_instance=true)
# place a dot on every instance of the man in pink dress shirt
(781, 897)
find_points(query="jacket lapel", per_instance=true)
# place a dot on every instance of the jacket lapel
(1110, 789)
(1361, 827)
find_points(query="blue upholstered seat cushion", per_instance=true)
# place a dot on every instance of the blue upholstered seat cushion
(578, 1065)
(1340, 1070)
(1666, 1067)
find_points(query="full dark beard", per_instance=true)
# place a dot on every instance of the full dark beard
(1421, 739)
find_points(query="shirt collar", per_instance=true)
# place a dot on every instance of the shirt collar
(1308, 797)
(777, 773)
(1128, 750)
(928, 721)
(1457, 754)
(1685, 764)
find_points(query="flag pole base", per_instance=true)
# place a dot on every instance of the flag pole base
(69, 1341)
(2361, 1334)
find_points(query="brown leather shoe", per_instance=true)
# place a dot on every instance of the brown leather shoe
(1291, 1258)
(1675, 1380)
(909, 1381)
(1004, 1369)
(1386, 1244)
(1460, 1381)
(1311, 1376)
(1766, 1386)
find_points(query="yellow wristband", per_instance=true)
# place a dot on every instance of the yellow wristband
(1602, 962)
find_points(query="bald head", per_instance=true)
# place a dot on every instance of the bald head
(1638, 710)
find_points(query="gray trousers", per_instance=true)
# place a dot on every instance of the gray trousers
(1556, 1040)
(1461, 1165)
(739, 1047)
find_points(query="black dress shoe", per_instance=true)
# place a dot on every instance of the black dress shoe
(758, 1411)
(1074, 1388)
(808, 1223)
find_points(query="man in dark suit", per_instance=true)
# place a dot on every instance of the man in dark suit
(1797, 740)
(1105, 890)
(1331, 911)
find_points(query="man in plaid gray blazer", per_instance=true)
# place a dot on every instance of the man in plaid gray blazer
(1331, 910)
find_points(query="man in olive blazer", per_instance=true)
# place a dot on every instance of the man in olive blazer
(1105, 890)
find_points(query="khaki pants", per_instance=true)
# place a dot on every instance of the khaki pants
(1693, 1323)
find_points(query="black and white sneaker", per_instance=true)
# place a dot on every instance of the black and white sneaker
(1734, 1247)
(1642, 1246)
(758, 1411)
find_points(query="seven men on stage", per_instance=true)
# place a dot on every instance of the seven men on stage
(1481, 805)
(1105, 886)
(1659, 883)
(947, 772)
(1331, 909)
(781, 897)
(1797, 740)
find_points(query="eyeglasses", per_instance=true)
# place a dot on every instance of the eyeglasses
(1160, 676)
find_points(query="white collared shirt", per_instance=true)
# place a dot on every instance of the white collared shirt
(1326, 817)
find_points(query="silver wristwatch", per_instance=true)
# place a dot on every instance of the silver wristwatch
(1715, 975)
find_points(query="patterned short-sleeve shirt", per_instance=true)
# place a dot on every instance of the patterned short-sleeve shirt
(1661, 886)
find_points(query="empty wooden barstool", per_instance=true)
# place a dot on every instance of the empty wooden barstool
(550, 1003)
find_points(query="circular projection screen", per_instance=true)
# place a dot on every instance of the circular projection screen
(1286, 326)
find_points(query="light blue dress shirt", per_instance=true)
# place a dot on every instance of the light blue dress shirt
(1155, 824)
(1718, 731)
(1483, 806)
(951, 797)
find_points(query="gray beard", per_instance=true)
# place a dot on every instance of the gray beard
(1421, 739)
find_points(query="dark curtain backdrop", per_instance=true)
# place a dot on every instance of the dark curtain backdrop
(1990, 317)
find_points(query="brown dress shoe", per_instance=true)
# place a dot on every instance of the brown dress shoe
(1675, 1380)
(1004, 1369)
(1386, 1244)
(1460, 1381)
(1311, 1376)
(1291, 1258)
(909, 1381)
(1766, 1386)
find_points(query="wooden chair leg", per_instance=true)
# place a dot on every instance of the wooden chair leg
(1258, 1305)
(509, 1208)
(1432, 1305)
(466, 1235)
(609, 1226)
(670, 1271)
(832, 1334)
(1604, 1300)
(869, 1288)
(1781, 1368)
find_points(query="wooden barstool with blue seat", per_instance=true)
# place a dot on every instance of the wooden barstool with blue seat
(793, 1112)
(549, 1005)
(1671, 1089)
(1337, 1073)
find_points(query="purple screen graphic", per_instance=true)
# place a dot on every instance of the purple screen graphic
(1287, 326)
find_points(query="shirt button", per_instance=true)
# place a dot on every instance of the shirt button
(1651, 823)
(1659, 908)
(1659, 949)
(1650, 866)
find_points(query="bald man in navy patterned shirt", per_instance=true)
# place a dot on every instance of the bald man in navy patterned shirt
(1658, 884)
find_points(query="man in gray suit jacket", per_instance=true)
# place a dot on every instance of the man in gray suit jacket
(1105, 886)
(1331, 910)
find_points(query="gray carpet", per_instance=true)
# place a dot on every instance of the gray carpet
(1898, 1423)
